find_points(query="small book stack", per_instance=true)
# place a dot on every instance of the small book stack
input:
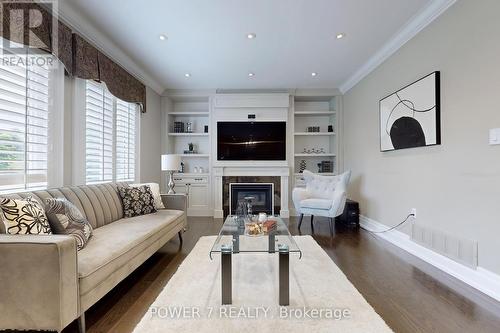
(178, 127)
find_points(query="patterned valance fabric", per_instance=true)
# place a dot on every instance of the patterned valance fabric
(30, 24)
(85, 63)
(80, 58)
(120, 83)
(65, 46)
(91, 64)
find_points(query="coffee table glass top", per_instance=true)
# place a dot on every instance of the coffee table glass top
(235, 237)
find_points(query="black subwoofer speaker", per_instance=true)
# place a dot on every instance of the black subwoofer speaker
(350, 216)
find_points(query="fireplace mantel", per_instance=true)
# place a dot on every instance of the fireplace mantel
(219, 172)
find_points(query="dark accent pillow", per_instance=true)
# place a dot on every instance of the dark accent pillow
(66, 219)
(24, 217)
(137, 200)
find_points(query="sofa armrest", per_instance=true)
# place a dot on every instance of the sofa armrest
(177, 201)
(39, 279)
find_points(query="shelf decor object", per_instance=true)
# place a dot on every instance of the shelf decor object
(171, 163)
(302, 166)
(410, 117)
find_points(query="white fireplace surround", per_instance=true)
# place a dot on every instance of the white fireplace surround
(219, 172)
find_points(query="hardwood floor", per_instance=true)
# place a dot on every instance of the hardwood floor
(410, 295)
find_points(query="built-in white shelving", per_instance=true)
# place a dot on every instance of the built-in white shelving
(314, 133)
(193, 155)
(191, 107)
(315, 155)
(192, 174)
(314, 113)
(188, 134)
(323, 174)
(189, 114)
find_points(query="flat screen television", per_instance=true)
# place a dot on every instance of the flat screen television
(251, 141)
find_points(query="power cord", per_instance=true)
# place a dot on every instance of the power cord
(392, 228)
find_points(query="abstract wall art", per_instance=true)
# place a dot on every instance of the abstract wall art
(410, 117)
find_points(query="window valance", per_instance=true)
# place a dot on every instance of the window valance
(31, 24)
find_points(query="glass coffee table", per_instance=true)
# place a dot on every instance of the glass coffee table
(234, 238)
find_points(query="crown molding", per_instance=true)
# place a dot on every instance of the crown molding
(78, 23)
(407, 32)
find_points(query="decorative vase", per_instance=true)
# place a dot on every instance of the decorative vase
(302, 166)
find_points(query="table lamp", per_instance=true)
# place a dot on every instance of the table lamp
(170, 163)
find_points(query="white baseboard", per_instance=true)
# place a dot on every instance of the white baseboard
(480, 278)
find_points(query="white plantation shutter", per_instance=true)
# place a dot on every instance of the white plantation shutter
(110, 136)
(24, 125)
(98, 133)
(125, 141)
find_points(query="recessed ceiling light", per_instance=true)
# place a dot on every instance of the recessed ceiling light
(251, 35)
(340, 35)
(251, 74)
(163, 37)
(187, 75)
(313, 74)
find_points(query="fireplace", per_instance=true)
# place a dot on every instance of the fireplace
(224, 176)
(262, 195)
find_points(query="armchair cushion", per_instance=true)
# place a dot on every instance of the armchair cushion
(316, 203)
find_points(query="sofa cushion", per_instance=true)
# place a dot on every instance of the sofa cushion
(66, 219)
(114, 245)
(316, 203)
(137, 200)
(100, 204)
(155, 189)
(24, 217)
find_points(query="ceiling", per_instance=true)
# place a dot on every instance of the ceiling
(208, 39)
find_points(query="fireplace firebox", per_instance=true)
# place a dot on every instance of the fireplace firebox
(262, 195)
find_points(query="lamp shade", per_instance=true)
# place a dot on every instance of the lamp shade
(170, 162)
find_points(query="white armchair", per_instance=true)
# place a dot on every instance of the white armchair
(323, 196)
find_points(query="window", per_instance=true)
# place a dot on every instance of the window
(125, 141)
(98, 134)
(110, 136)
(26, 108)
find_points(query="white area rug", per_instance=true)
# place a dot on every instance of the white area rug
(321, 297)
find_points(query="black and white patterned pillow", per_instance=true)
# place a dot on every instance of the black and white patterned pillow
(66, 219)
(137, 200)
(24, 217)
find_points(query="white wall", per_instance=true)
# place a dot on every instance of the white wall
(151, 138)
(456, 186)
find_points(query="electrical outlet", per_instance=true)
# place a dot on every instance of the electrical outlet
(414, 212)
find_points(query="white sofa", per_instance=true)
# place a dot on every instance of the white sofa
(46, 283)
